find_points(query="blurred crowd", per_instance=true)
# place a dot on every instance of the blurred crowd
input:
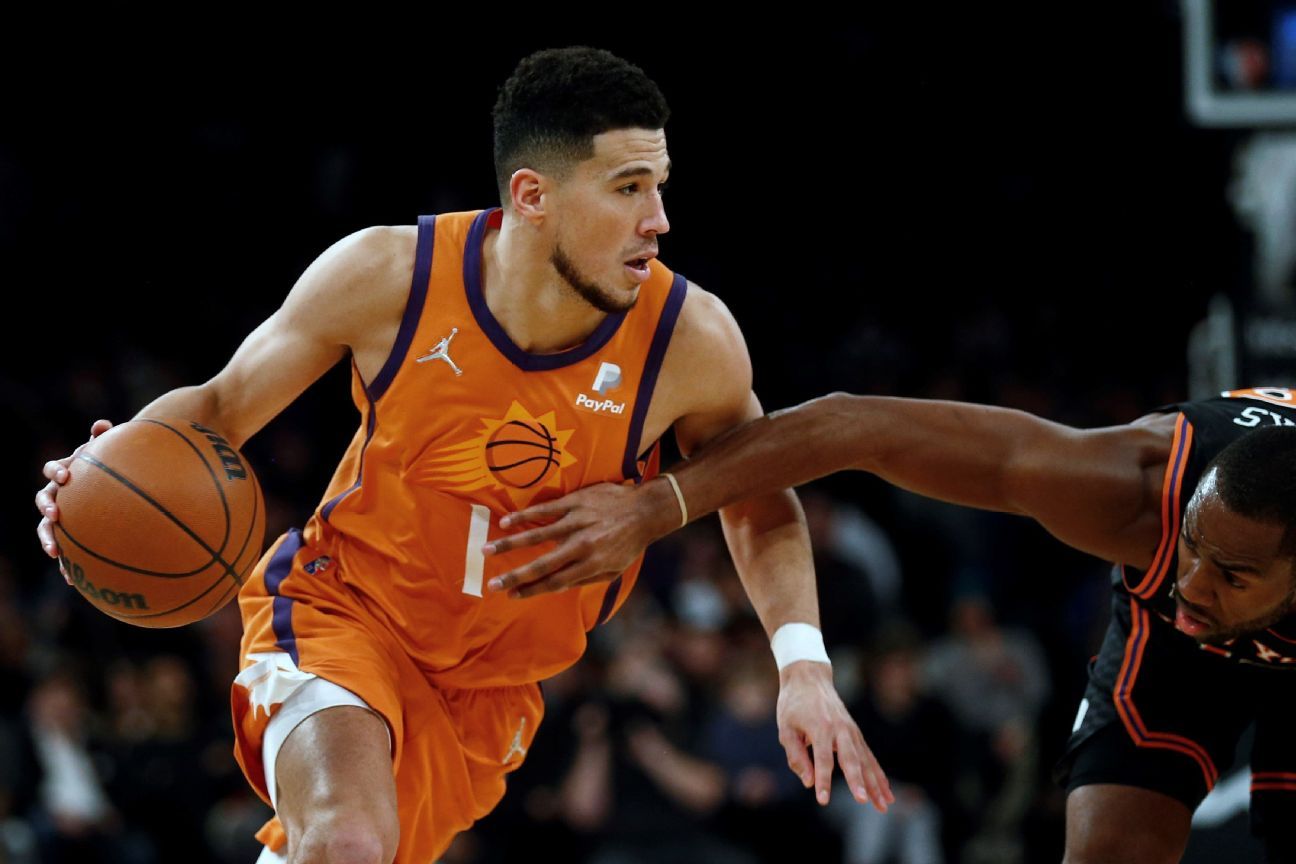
(1052, 261)
(662, 745)
(959, 641)
(115, 743)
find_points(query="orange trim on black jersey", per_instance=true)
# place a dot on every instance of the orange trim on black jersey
(1140, 631)
(1272, 395)
(1175, 468)
(1277, 635)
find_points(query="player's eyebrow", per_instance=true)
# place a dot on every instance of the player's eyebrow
(1190, 534)
(627, 173)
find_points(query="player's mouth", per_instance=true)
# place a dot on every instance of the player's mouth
(1193, 624)
(638, 267)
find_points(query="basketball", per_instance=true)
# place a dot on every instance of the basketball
(521, 454)
(159, 522)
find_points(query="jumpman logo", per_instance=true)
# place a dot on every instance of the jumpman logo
(442, 352)
(516, 747)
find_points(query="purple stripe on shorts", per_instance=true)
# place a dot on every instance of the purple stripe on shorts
(276, 571)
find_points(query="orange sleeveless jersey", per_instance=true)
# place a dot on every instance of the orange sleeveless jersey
(460, 427)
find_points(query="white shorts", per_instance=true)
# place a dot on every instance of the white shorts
(310, 698)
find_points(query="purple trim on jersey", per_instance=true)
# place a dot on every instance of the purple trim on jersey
(609, 601)
(413, 307)
(1125, 687)
(371, 425)
(276, 571)
(496, 333)
(1177, 483)
(652, 366)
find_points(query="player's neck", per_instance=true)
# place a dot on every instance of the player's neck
(538, 310)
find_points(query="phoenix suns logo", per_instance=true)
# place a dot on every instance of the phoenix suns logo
(519, 453)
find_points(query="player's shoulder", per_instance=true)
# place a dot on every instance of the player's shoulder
(379, 250)
(707, 365)
(370, 262)
(357, 284)
(705, 322)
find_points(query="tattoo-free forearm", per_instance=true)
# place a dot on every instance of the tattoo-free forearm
(197, 403)
(770, 547)
(953, 451)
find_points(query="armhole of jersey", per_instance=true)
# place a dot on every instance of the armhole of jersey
(1171, 492)
(413, 308)
(648, 383)
(371, 425)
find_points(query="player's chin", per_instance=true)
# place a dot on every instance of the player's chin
(1218, 637)
(621, 299)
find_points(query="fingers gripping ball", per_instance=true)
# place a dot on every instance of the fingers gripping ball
(159, 522)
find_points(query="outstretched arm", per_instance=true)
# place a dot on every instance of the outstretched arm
(1097, 490)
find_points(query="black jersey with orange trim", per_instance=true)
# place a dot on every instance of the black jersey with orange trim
(1202, 430)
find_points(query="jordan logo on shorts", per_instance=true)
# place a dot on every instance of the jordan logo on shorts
(442, 352)
(516, 748)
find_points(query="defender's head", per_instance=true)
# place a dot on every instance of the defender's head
(1237, 540)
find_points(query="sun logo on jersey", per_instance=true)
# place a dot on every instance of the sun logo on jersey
(519, 453)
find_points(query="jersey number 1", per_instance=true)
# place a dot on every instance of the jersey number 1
(478, 529)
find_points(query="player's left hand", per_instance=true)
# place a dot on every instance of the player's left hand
(811, 715)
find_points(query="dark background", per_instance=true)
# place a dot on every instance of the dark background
(1005, 206)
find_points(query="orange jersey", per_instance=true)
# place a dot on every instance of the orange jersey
(460, 427)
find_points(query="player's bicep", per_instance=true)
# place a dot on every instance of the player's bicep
(1096, 490)
(349, 297)
(273, 366)
(712, 372)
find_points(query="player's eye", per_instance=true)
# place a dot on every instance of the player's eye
(1233, 580)
(629, 189)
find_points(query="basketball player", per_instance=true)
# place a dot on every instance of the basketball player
(1195, 503)
(499, 358)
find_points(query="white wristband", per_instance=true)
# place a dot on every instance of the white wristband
(798, 641)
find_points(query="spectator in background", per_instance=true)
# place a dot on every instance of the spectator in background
(17, 762)
(848, 594)
(75, 823)
(995, 681)
(763, 810)
(638, 751)
(924, 758)
(159, 780)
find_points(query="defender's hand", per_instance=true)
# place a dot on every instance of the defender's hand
(600, 531)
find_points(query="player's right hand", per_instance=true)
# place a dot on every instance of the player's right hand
(56, 472)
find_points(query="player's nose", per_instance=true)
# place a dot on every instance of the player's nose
(656, 221)
(1193, 586)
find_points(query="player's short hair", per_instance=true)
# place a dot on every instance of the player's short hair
(1256, 478)
(557, 100)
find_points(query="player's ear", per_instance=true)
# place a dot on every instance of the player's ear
(526, 190)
